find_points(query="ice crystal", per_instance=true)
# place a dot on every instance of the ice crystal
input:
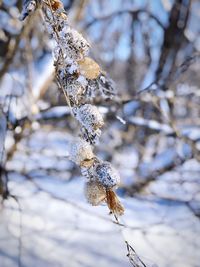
(79, 42)
(91, 90)
(72, 68)
(88, 173)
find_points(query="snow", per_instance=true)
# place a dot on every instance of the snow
(59, 227)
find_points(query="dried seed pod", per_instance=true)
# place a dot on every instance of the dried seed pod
(81, 153)
(95, 193)
(73, 43)
(113, 203)
(89, 116)
(80, 43)
(89, 68)
(107, 175)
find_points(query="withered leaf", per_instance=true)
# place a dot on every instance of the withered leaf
(89, 68)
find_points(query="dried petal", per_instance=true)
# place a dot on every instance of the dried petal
(89, 68)
(113, 203)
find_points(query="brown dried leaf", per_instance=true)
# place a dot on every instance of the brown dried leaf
(89, 68)
(56, 4)
(113, 203)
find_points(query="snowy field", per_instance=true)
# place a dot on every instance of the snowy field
(52, 225)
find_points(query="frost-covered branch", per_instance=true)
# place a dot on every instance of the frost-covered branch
(81, 80)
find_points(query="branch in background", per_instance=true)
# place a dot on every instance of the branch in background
(9, 57)
(173, 39)
(143, 182)
(134, 13)
(156, 86)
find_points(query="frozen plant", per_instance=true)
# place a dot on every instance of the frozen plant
(107, 175)
(74, 89)
(81, 152)
(95, 193)
(89, 117)
(81, 80)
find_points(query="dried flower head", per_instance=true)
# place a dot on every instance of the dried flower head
(107, 175)
(81, 153)
(79, 42)
(89, 116)
(95, 193)
(70, 42)
(73, 44)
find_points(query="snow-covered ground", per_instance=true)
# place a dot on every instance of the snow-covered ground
(52, 224)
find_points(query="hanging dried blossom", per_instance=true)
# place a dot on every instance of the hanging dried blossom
(81, 152)
(95, 193)
(107, 175)
(89, 117)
